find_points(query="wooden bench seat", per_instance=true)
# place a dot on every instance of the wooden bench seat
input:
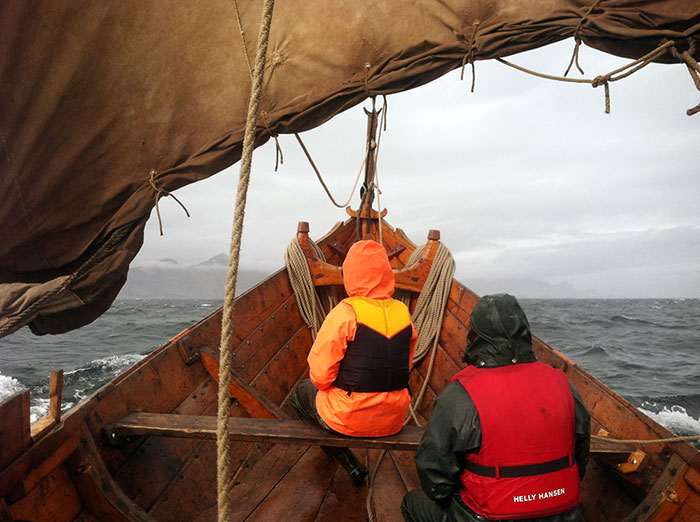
(287, 431)
(278, 431)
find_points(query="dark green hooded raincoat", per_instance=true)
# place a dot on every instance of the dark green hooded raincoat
(499, 335)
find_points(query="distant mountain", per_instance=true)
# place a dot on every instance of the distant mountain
(167, 279)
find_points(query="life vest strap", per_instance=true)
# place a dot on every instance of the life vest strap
(527, 470)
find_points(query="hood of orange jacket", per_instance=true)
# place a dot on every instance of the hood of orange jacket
(367, 272)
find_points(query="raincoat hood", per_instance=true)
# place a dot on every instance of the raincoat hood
(499, 334)
(367, 272)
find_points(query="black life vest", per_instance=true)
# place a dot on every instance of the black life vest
(377, 359)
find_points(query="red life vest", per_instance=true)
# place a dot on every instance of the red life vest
(525, 467)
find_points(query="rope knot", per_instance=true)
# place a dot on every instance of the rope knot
(470, 55)
(161, 192)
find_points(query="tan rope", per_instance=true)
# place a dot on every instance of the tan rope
(320, 178)
(693, 69)
(313, 303)
(577, 37)
(470, 55)
(224, 402)
(245, 45)
(646, 441)
(430, 307)
(161, 192)
(604, 79)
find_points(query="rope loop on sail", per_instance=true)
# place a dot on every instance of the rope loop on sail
(693, 68)
(223, 459)
(577, 37)
(470, 55)
(161, 192)
(314, 304)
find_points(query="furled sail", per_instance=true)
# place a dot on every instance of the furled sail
(107, 106)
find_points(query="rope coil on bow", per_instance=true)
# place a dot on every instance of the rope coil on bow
(161, 192)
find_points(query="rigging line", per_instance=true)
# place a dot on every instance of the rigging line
(323, 184)
(223, 458)
(603, 79)
(382, 127)
(240, 29)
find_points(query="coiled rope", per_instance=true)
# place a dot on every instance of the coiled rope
(314, 304)
(223, 459)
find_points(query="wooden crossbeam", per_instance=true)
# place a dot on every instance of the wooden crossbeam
(278, 431)
(287, 431)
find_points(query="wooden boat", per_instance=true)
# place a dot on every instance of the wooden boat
(82, 107)
(140, 448)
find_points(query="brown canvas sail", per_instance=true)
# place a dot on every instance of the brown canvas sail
(106, 107)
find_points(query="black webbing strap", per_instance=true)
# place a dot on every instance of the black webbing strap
(527, 470)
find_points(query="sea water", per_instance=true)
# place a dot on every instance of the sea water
(647, 350)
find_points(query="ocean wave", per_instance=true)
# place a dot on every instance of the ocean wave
(634, 320)
(109, 364)
(624, 319)
(9, 386)
(675, 418)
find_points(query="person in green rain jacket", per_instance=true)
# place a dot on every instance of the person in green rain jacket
(508, 438)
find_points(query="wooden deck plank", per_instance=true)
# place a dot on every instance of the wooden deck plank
(344, 501)
(255, 484)
(255, 430)
(309, 480)
(164, 457)
(389, 489)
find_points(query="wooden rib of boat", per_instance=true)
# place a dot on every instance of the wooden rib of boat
(141, 447)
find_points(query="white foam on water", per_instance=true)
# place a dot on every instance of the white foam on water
(676, 419)
(113, 363)
(9, 386)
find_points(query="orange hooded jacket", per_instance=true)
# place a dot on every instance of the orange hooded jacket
(369, 283)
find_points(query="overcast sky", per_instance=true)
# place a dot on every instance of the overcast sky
(534, 189)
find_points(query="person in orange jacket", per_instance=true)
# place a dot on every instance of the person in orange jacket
(360, 361)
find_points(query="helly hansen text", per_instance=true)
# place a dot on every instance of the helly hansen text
(539, 496)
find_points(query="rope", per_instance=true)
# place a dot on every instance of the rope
(82, 269)
(161, 192)
(577, 38)
(693, 69)
(469, 56)
(646, 441)
(320, 178)
(430, 307)
(604, 79)
(224, 402)
(313, 304)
